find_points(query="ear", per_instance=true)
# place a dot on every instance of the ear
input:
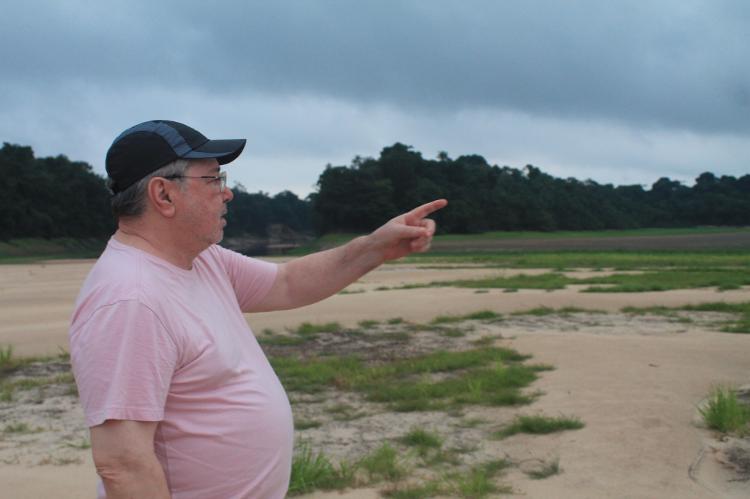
(161, 194)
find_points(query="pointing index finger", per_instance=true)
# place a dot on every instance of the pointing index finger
(420, 212)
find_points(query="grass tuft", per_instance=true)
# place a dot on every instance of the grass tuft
(383, 464)
(6, 356)
(311, 472)
(306, 424)
(478, 482)
(725, 413)
(368, 324)
(20, 428)
(422, 491)
(308, 329)
(422, 439)
(539, 425)
(481, 315)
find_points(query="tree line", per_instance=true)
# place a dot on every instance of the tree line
(56, 197)
(485, 197)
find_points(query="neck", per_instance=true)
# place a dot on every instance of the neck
(157, 243)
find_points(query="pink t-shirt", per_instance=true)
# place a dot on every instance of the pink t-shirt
(150, 341)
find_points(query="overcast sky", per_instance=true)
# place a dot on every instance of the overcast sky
(620, 92)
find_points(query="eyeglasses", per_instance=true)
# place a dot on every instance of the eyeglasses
(221, 179)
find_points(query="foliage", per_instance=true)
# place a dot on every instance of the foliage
(383, 463)
(55, 197)
(487, 197)
(50, 197)
(255, 213)
(539, 424)
(421, 439)
(725, 413)
(311, 472)
(485, 376)
(620, 260)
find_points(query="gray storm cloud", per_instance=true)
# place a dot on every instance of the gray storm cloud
(618, 91)
(674, 64)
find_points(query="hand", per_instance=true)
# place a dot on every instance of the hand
(407, 233)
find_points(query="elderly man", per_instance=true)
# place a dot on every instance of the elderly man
(180, 399)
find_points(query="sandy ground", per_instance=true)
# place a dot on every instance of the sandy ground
(635, 382)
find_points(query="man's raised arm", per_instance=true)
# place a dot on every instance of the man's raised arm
(317, 276)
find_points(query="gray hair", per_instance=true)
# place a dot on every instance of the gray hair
(132, 201)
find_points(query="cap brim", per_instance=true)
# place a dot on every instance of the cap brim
(225, 151)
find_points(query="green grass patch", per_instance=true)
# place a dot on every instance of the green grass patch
(20, 428)
(282, 340)
(725, 413)
(566, 234)
(481, 315)
(34, 249)
(344, 412)
(6, 357)
(621, 260)
(544, 311)
(479, 481)
(549, 281)
(308, 329)
(395, 320)
(650, 280)
(740, 325)
(486, 376)
(402, 336)
(451, 332)
(540, 425)
(422, 440)
(383, 464)
(368, 324)
(432, 488)
(306, 424)
(315, 471)
(668, 280)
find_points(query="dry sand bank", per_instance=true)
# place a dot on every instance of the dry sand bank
(635, 382)
(36, 300)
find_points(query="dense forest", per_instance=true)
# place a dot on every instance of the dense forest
(57, 197)
(483, 197)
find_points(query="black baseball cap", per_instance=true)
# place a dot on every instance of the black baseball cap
(148, 146)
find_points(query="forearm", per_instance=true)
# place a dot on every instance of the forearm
(143, 479)
(317, 276)
(314, 277)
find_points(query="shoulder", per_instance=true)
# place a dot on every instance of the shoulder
(121, 274)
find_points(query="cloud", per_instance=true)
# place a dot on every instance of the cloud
(617, 91)
(672, 64)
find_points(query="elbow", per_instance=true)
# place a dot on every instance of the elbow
(117, 469)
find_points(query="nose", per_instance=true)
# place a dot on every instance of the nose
(228, 194)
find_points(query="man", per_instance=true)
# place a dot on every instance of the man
(180, 400)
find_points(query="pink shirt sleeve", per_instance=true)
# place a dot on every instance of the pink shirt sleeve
(123, 360)
(251, 279)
